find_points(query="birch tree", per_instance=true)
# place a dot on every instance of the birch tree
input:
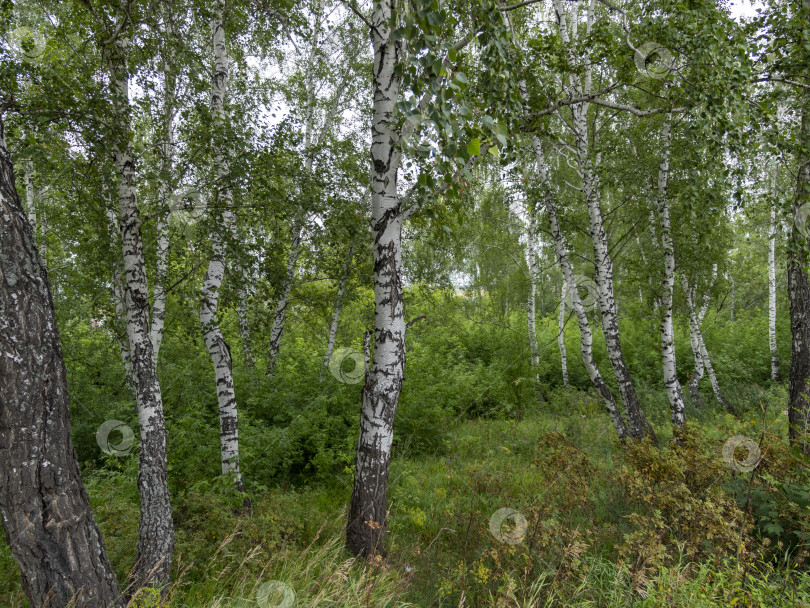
(223, 228)
(156, 529)
(772, 281)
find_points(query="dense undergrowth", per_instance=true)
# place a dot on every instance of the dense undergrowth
(607, 524)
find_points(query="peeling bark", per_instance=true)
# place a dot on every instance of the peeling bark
(44, 506)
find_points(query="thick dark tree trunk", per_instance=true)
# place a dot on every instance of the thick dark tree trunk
(799, 300)
(44, 507)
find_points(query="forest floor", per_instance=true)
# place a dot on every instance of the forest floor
(596, 524)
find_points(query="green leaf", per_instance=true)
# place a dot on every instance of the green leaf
(474, 147)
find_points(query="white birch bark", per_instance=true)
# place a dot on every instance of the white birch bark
(214, 340)
(156, 529)
(580, 85)
(30, 196)
(585, 334)
(333, 326)
(772, 287)
(367, 511)
(561, 334)
(673, 387)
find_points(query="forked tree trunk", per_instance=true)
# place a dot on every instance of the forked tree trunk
(44, 507)
(700, 352)
(280, 314)
(156, 529)
(585, 335)
(214, 340)
(799, 300)
(638, 426)
(333, 326)
(673, 387)
(365, 531)
(772, 287)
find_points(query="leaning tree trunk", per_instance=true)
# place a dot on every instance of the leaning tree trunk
(638, 426)
(673, 387)
(772, 288)
(333, 326)
(799, 301)
(585, 335)
(695, 341)
(365, 531)
(156, 529)
(214, 340)
(44, 507)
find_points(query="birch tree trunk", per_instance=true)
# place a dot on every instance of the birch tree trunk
(585, 335)
(530, 308)
(695, 341)
(799, 300)
(280, 314)
(561, 334)
(156, 529)
(638, 426)
(30, 197)
(772, 288)
(214, 340)
(673, 387)
(44, 506)
(365, 531)
(333, 326)
(701, 353)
